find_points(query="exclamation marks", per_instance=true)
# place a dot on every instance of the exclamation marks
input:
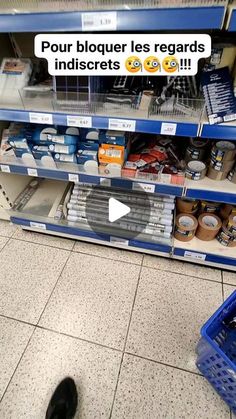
(185, 64)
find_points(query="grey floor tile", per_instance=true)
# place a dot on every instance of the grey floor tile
(147, 390)
(3, 241)
(180, 267)
(48, 359)
(108, 252)
(14, 337)
(228, 289)
(93, 300)
(7, 229)
(229, 277)
(46, 239)
(168, 314)
(27, 276)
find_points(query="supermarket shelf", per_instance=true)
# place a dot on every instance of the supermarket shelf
(79, 234)
(232, 22)
(182, 18)
(211, 190)
(226, 131)
(210, 253)
(152, 126)
(73, 176)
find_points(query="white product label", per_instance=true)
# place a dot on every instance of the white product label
(106, 21)
(32, 172)
(73, 178)
(105, 181)
(41, 118)
(118, 240)
(79, 121)
(5, 169)
(168, 128)
(122, 124)
(38, 225)
(147, 187)
(193, 255)
(165, 178)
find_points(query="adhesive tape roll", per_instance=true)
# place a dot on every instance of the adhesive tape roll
(196, 170)
(185, 227)
(187, 206)
(196, 149)
(211, 207)
(223, 151)
(222, 166)
(225, 237)
(232, 175)
(226, 210)
(208, 226)
(231, 224)
(216, 175)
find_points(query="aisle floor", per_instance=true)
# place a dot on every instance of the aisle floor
(124, 325)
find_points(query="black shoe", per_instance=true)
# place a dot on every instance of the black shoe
(63, 403)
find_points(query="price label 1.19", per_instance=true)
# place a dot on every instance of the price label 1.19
(79, 121)
(122, 124)
(103, 21)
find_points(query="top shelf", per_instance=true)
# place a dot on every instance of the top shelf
(182, 18)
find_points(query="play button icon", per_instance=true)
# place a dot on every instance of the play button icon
(117, 210)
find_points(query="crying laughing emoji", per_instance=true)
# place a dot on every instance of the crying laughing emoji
(170, 64)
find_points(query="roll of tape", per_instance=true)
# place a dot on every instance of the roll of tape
(187, 206)
(209, 226)
(226, 210)
(216, 175)
(232, 175)
(225, 237)
(210, 207)
(196, 149)
(196, 170)
(231, 224)
(222, 166)
(185, 227)
(223, 151)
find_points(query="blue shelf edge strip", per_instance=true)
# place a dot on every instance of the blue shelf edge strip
(190, 18)
(73, 231)
(210, 257)
(232, 23)
(217, 196)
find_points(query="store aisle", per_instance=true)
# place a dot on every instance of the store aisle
(123, 325)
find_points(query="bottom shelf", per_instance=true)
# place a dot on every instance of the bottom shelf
(196, 251)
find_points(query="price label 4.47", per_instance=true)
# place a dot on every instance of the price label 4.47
(79, 121)
(40, 118)
(122, 124)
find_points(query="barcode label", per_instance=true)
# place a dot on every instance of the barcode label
(5, 169)
(147, 187)
(99, 21)
(193, 255)
(168, 128)
(32, 172)
(229, 117)
(41, 118)
(38, 225)
(105, 181)
(73, 178)
(113, 153)
(118, 240)
(122, 124)
(79, 121)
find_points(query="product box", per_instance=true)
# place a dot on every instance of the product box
(42, 154)
(63, 139)
(65, 158)
(89, 134)
(109, 153)
(63, 149)
(40, 134)
(111, 169)
(113, 137)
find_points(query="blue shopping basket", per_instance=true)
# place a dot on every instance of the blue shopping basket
(217, 352)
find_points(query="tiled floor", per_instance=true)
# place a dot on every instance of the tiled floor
(124, 325)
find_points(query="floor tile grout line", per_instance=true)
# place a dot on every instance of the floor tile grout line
(126, 337)
(9, 238)
(42, 244)
(18, 363)
(107, 258)
(198, 374)
(17, 320)
(59, 276)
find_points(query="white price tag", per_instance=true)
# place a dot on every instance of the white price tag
(5, 169)
(122, 124)
(38, 225)
(79, 121)
(32, 172)
(73, 178)
(119, 240)
(147, 187)
(168, 128)
(105, 181)
(99, 21)
(194, 255)
(41, 118)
